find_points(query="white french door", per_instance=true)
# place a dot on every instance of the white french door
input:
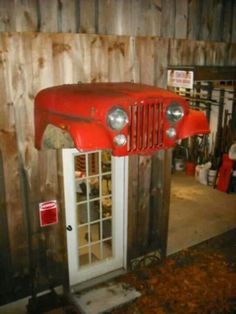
(95, 190)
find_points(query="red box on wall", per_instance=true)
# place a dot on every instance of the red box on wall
(48, 213)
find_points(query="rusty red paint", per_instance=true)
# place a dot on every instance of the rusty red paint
(82, 109)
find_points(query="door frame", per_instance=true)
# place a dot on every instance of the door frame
(119, 196)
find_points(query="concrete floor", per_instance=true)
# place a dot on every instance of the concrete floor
(197, 212)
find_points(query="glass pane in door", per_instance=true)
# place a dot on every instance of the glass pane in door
(93, 177)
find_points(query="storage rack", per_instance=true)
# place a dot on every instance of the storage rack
(212, 86)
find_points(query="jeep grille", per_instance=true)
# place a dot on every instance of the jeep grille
(146, 123)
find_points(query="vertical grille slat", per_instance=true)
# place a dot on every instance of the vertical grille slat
(132, 126)
(138, 124)
(155, 126)
(145, 126)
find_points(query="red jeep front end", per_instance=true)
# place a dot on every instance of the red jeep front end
(126, 118)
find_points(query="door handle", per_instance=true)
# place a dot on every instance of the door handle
(69, 228)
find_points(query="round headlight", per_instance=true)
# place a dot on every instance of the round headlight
(117, 119)
(120, 140)
(171, 132)
(174, 112)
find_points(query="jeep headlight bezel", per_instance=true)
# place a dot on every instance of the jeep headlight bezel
(174, 112)
(117, 118)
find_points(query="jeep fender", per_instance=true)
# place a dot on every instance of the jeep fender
(83, 136)
(194, 123)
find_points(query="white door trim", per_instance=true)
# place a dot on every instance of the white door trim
(119, 200)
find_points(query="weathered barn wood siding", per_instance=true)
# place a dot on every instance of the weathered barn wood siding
(32, 61)
(28, 63)
(213, 20)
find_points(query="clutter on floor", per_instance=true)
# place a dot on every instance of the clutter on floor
(201, 279)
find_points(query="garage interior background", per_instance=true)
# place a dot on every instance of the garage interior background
(45, 43)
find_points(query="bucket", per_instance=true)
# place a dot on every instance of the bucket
(201, 174)
(212, 177)
(190, 168)
(179, 164)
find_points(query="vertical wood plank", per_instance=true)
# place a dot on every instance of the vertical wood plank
(149, 18)
(67, 16)
(211, 20)
(5, 265)
(194, 17)
(145, 60)
(87, 16)
(181, 19)
(165, 182)
(139, 179)
(120, 59)
(228, 11)
(181, 52)
(43, 76)
(215, 53)
(160, 199)
(233, 37)
(217, 16)
(231, 53)
(77, 58)
(48, 16)
(199, 53)
(143, 209)
(168, 19)
(99, 54)
(9, 76)
(206, 20)
(42, 57)
(132, 250)
(25, 15)
(58, 48)
(5, 238)
(110, 17)
(7, 17)
(161, 61)
(114, 17)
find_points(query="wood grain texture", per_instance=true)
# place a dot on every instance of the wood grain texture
(9, 71)
(149, 18)
(67, 16)
(48, 16)
(193, 19)
(227, 20)
(143, 210)
(161, 61)
(32, 61)
(233, 12)
(87, 18)
(25, 15)
(120, 59)
(168, 19)
(164, 200)
(132, 245)
(145, 60)
(181, 15)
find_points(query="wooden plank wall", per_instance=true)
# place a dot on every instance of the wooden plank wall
(45, 59)
(192, 19)
(31, 61)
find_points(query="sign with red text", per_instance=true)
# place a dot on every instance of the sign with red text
(180, 78)
(48, 213)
